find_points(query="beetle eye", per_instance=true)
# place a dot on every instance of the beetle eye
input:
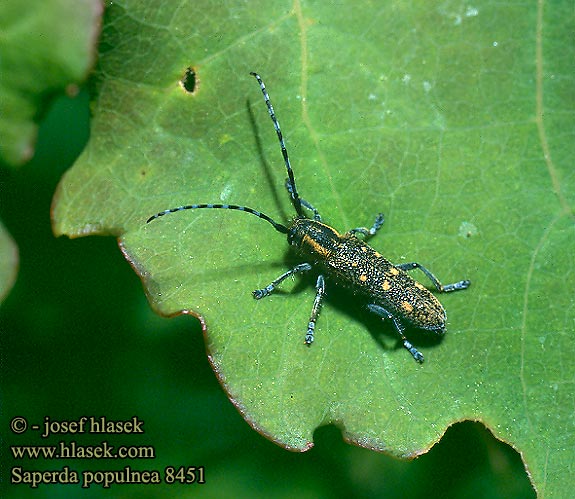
(293, 237)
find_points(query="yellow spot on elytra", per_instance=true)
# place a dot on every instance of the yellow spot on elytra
(363, 278)
(377, 254)
(385, 285)
(408, 307)
(364, 249)
(419, 286)
(354, 264)
(393, 271)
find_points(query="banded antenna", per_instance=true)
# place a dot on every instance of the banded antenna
(291, 180)
(277, 226)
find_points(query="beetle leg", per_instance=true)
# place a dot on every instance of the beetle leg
(443, 288)
(319, 294)
(369, 232)
(268, 290)
(384, 314)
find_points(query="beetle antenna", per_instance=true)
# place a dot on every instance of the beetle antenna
(277, 226)
(291, 180)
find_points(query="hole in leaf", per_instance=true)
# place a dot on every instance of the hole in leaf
(190, 81)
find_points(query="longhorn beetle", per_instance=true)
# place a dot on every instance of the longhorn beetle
(346, 260)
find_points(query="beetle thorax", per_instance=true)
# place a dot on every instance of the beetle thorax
(313, 238)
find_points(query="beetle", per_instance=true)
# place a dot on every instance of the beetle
(347, 260)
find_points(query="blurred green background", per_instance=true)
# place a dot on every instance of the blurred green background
(79, 339)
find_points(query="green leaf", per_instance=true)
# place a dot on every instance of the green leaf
(8, 262)
(451, 120)
(47, 46)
